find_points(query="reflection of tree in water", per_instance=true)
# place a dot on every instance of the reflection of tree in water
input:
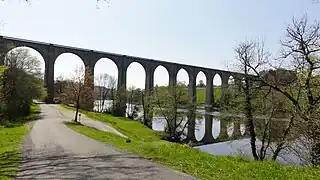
(199, 121)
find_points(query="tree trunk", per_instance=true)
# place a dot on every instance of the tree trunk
(144, 111)
(315, 148)
(77, 109)
(315, 154)
(248, 112)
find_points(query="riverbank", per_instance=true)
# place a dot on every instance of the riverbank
(11, 138)
(147, 143)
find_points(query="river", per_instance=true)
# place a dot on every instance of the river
(228, 147)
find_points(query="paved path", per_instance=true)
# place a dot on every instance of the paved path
(89, 122)
(53, 151)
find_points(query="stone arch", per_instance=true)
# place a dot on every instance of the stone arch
(58, 51)
(26, 52)
(201, 88)
(67, 62)
(183, 76)
(9, 45)
(107, 66)
(166, 66)
(217, 85)
(96, 57)
(105, 80)
(162, 69)
(138, 71)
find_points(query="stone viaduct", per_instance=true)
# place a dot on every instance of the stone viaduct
(50, 52)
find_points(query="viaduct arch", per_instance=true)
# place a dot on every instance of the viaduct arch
(50, 52)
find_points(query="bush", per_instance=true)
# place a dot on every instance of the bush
(18, 89)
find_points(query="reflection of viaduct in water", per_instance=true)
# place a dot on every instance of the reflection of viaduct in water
(223, 135)
(50, 52)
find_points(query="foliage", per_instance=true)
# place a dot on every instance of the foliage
(301, 47)
(120, 102)
(147, 143)
(20, 84)
(133, 100)
(260, 104)
(11, 138)
(201, 84)
(78, 90)
(21, 58)
(169, 102)
(20, 89)
(295, 89)
(104, 90)
(147, 105)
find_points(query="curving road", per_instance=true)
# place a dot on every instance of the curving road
(53, 151)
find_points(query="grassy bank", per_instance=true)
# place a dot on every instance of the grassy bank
(201, 94)
(146, 142)
(11, 138)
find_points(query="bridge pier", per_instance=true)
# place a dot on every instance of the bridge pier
(49, 59)
(192, 117)
(224, 86)
(209, 92)
(208, 137)
(147, 109)
(121, 97)
(172, 77)
(149, 79)
(236, 129)
(223, 129)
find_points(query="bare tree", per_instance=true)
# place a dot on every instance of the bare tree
(21, 58)
(248, 53)
(301, 50)
(302, 47)
(259, 102)
(169, 102)
(132, 107)
(106, 86)
(77, 90)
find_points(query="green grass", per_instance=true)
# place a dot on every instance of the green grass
(146, 143)
(11, 138)
(201, 94)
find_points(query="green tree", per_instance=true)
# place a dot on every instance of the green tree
(21, 83)
(147, 105)
(300, 49)
(169, 102)
(201, 84)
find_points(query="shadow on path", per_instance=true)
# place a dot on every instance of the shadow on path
(68, 166)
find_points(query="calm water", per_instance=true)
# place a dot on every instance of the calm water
(231, 147)
(159, 124)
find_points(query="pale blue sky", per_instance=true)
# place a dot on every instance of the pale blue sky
(202, 32)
